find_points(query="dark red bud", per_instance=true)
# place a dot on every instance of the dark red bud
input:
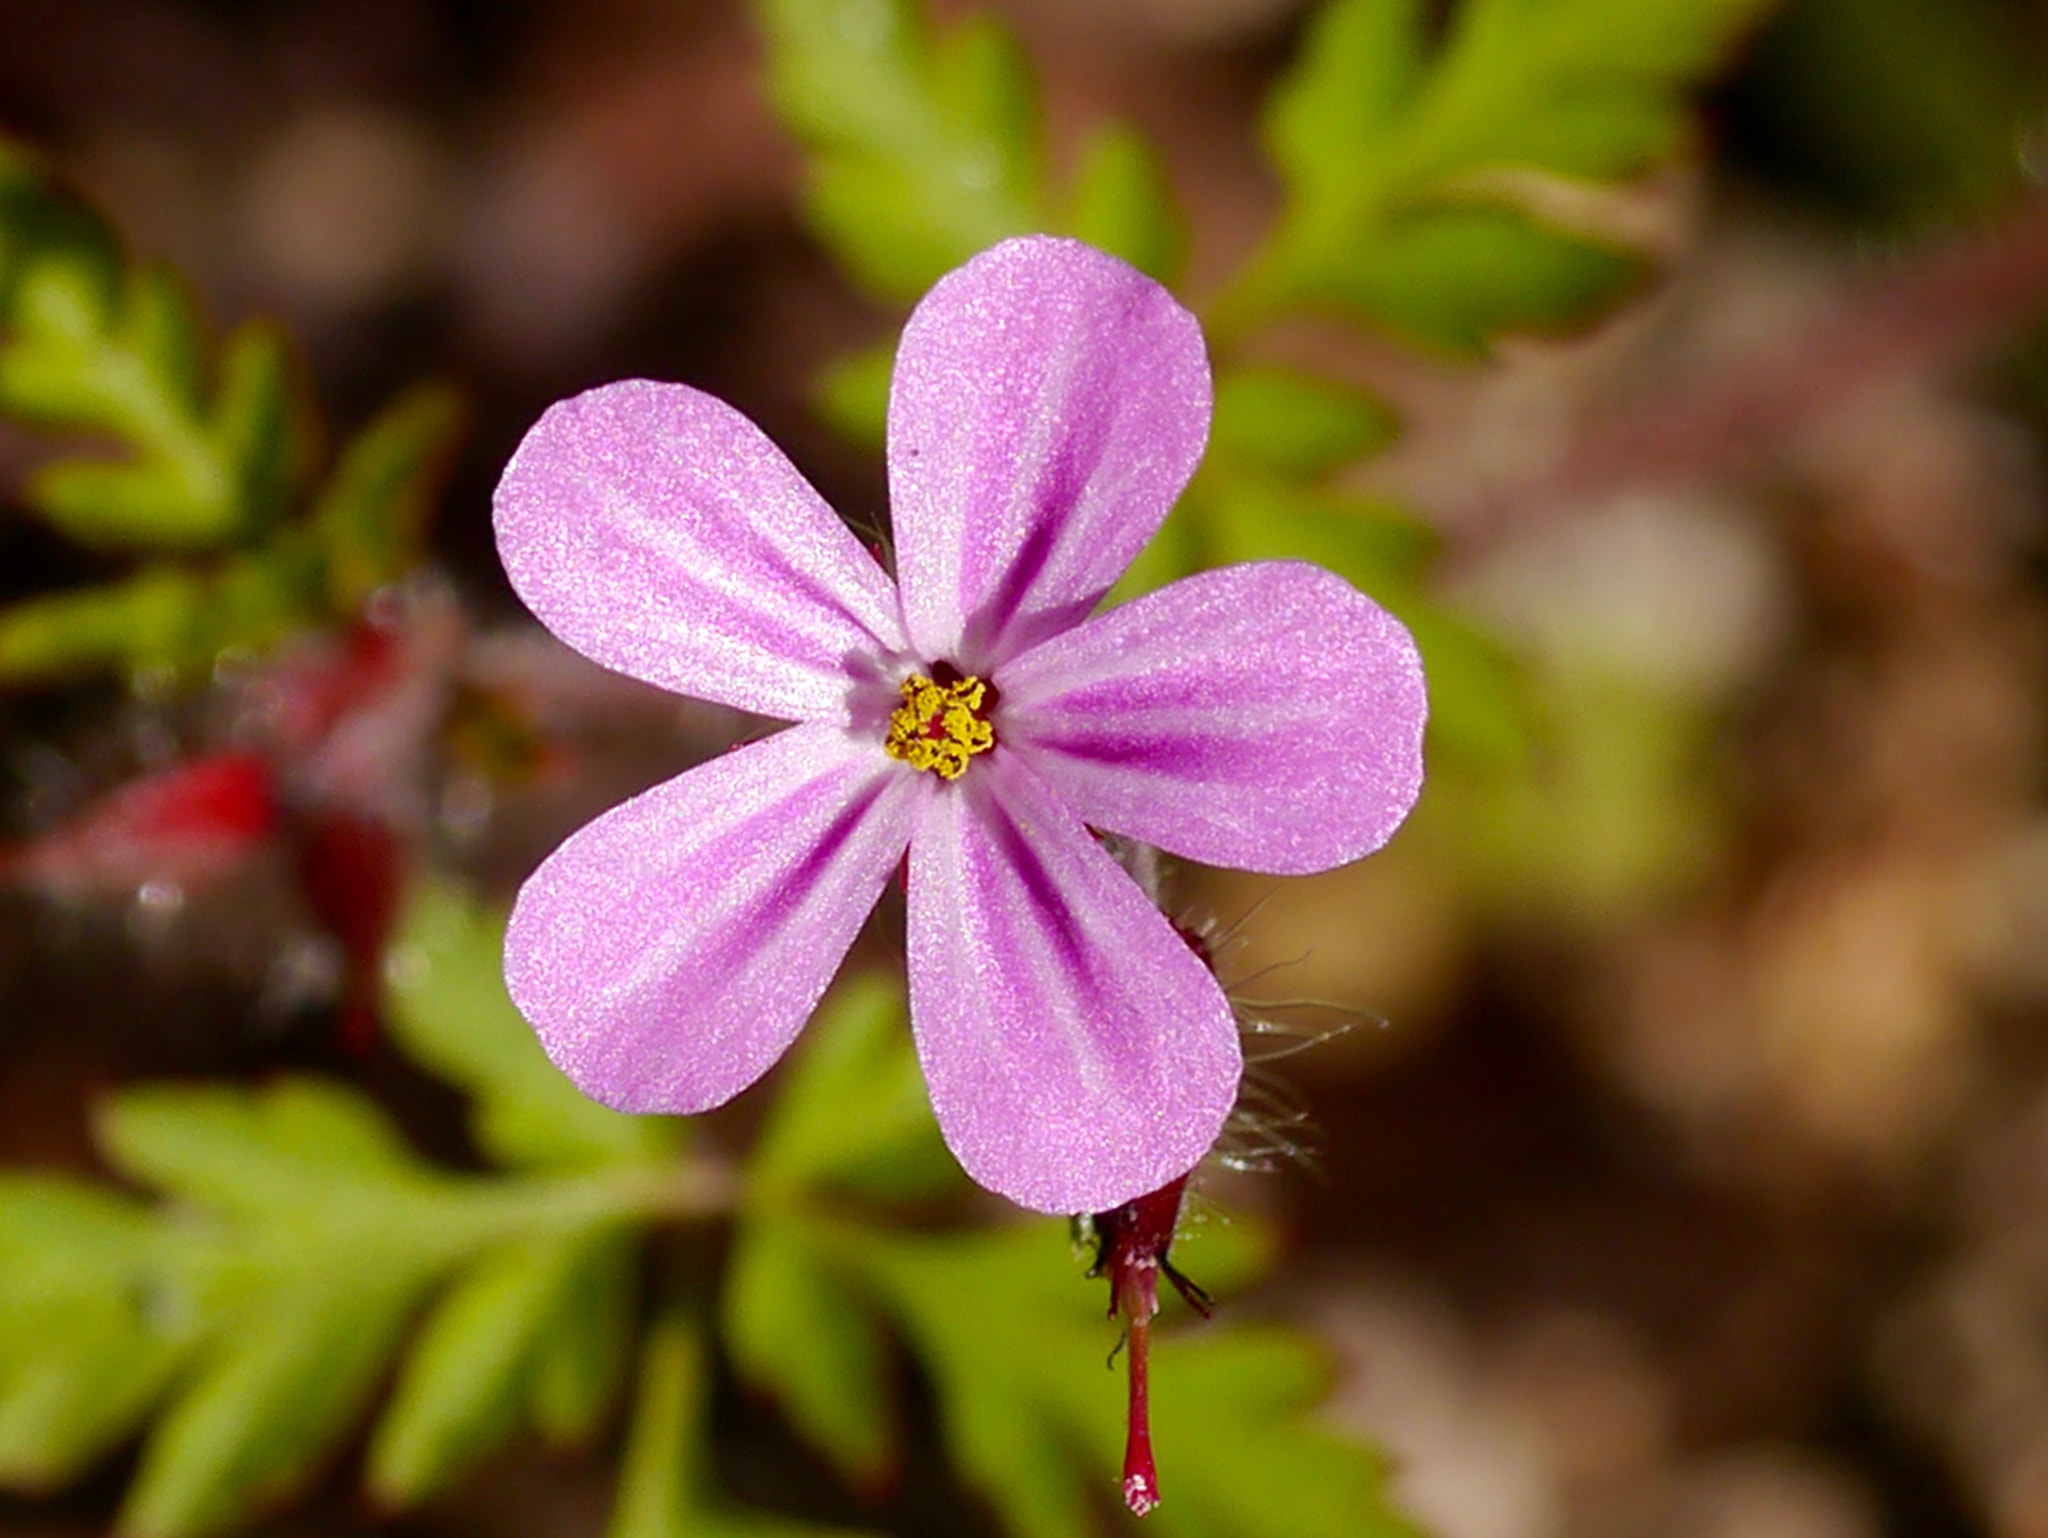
(188, 824)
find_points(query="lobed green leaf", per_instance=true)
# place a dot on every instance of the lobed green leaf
(91, 344)
(69, 362)
(923, 149)
(1383, 142)
(853, 1115)
(370, 518)
(87, 1345)
(796, 1331)
(445, 1003)
(1120, 202)
(1028, 1408)
(270, 1402)
(311, 1234)
(293, 1143)
(1292, 423)
(467, 1374)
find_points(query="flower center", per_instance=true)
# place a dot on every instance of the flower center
(939, 725)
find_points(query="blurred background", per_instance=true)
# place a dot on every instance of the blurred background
(1686, 1173)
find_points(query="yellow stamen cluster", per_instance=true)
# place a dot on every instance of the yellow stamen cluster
(938, 726)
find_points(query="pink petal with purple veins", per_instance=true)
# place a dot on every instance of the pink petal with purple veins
(660, 533)
(671, 950)
(1266, 717)
(1077, 1051)
(1049, 403)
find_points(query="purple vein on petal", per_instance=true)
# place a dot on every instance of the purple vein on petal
(1267, 716)
(660, 533)
(669, 951)
(1011, 854)
(1003, 624)
(1049, 404)
(1078, 1053)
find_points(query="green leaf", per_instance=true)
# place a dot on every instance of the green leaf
(153, 615)
(252, 423)
(446, 1005)
(923, 151)
(261, 1305)
(42, 233)
(1122, 204)
(1294, 424)
(582, 1360)
(795, 1331)
(663, 1484)
(269, 1404)
(1456, 277)
(1237, 1455)
(87, 345)
(660, 1477)
(852, 393)
(293, 1142)
(1253, 517)
(465, 1378)
(152, 501)
(87, 1344)
(68, 364)
(1384, 144)
(306, 1233)
(1341, 105)
(370, 518)
(1552, 87)
(1028, 1407)
(853, 1115)
(167, 617)
(165, 329)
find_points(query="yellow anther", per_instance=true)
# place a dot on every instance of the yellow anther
(939, 726)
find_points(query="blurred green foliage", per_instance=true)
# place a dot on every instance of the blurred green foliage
(204, 459)
(1409, 148)
(296, 1270)
(1392, 150)
(300, 1268)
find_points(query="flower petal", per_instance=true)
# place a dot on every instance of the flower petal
(1077, 1051)
(671, 950)
(1266, 716)
(1048, 405)
(660, 533)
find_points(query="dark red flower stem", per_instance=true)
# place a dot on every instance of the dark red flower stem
(1132, 1244)
(1141, 1474)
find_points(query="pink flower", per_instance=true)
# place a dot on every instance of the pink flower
(1049, 404)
